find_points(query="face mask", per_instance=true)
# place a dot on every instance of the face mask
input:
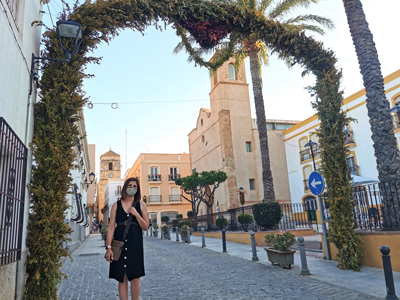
(131, 191)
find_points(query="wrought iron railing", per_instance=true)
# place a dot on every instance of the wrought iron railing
(175, 198)
(349, 138)
(172, 177)
(154, 177)
(155, 198)
(294, 216)
(304, 155)
(13, 164)
(376, 206)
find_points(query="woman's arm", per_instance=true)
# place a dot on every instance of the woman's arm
(110, 231)
(143, 222)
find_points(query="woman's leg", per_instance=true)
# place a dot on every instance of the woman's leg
(135, 288)
(123, 289)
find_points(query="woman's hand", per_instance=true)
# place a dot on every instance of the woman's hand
(133, 211)
(109, 255)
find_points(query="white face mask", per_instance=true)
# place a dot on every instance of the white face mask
(130, 191)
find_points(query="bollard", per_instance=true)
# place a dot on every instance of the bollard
(188, 235)
(177, 232)
(253, 247)
(304, 268)
(147, 232)
(223, 241)
(151, 231)
(162, 233)
(387, 269)
(203, 238)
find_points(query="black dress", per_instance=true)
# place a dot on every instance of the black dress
(131, 260)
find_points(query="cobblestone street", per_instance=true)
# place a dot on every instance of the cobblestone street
(180, 271)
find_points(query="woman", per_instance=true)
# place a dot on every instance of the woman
(130, 266)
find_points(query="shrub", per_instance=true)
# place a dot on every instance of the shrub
(155, 226)
(164, 219)
(221, 222)
(184, 230)
(280, 241)
(245, 220)
(164, 228)
(103, 230)
(190, 214)
(179, 216)
(186, 222)
(267, 214)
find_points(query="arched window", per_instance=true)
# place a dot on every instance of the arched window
(110, 166)
(304, 153)
(307, 172)
(232, 72)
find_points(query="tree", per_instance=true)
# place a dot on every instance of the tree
(249, 45)
(384, 140)
(196, 186)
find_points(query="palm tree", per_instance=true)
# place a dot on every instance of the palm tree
(257, 51)
(384, 140)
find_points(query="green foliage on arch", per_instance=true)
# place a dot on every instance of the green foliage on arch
(208, 21)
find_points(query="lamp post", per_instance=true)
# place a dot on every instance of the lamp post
(91, 179)
(66, 30)
(311, 145)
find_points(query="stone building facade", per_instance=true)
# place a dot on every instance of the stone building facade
(110, 168)
(226, 138)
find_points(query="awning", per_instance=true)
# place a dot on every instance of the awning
(359, 180)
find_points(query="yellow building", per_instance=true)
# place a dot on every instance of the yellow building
(226, 138)
(156, 174)
(110, 168)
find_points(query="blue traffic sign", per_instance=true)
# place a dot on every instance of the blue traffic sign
(316, 183)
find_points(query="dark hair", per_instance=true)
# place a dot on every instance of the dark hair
(137, 195)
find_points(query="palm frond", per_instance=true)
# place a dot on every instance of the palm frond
(263, 54)
(264, 4)
(285, 6)
(313, 28)
(240, 56)
(302, 19)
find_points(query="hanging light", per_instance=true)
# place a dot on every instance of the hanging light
(69, 30)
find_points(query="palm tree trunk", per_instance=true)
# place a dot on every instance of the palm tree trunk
(384, 141)
(268, 183)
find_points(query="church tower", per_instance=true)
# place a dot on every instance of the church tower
(110, 168)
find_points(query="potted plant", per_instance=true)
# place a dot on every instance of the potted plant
(184, 232)
(245, 220)
(280, 252)
(164, 219)
(155, 232)
(103, 232)
(165, 232)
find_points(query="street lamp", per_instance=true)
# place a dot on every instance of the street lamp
(311, 145)
(66, 30)
(241, 197)
(91, 179)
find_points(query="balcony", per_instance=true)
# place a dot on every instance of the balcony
(172, 177)
(349, 138)
(155, 199)
(304, 155)
(154, 177)
(175, 198)
(306, 188)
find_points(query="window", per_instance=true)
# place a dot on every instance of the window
(110, 166)
(352, 165)
(251, 183)
(307, 172)
(201, 122)
(248, 146)
(232, 72)
(203, 138)
(173, 170)
(153, 170)
(304, 154)
(154, 195)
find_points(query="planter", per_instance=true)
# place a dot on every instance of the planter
(155, 233)
(184, 238)
(283, 258)
(167, 236)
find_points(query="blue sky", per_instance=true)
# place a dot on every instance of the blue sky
(143, 69)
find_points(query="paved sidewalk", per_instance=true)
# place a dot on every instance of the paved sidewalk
(369, 281)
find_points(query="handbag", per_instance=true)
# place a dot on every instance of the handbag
(117, 246)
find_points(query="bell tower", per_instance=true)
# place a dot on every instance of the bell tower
(110, 168)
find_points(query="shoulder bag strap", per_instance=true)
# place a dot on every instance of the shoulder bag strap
(128, 224)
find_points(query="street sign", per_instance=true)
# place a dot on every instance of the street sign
(316, 183)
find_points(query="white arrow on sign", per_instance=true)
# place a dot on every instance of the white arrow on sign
(315, 183)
